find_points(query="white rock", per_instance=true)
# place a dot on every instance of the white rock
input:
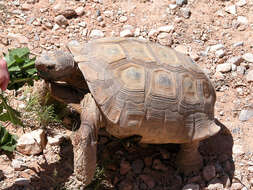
(152, 33)
(250, 169)
(123, 19)
(82, 24)
(236, 60)
(19, 37)
(84, 32)
(223, 68)
(17, 164)
(220, 53)
(172, 6)
(216, 47)
(56, 140)
(191, 187)
(167, 28)
(96, 34)
(32, 143)
(231, 9)
(137, 32)
(61, 20)
(242, 20)
(126, 33)
(237, 44)
(248, 57)
(238, 149)
(79, 11)
(249, 76)
(108, 13)
(128, 26)
(241, 3)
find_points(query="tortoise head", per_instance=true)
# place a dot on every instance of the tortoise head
(61, 66)
(55, 66)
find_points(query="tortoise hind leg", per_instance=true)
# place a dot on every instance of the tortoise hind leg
(85, 141)
(188, 158)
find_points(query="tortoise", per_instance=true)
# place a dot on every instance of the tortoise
(132, 87)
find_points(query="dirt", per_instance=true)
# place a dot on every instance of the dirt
(125, 164)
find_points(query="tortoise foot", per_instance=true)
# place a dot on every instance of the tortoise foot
(189, 159)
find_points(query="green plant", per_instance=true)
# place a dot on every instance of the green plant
(45, 114)
(7, 141)
(21, 67)
(7, 113)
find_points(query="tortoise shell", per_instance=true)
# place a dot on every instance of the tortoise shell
(147, 89)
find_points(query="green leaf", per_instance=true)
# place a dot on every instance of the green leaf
(10, 114)
(7, 140)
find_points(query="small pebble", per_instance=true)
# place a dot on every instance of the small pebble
(231, 9)
(216, 47)
(220, 53)
(181, 2)
(186, 13)
(79, 11)
(123, 19)
(248, 57)
(241, 3)
(224, 68)
(126, 33)
(242, 20)
(237, 44)
(245, 115)
(167, 28)
(96, 34)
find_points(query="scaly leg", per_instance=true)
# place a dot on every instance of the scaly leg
(188, 158)
(85, 141)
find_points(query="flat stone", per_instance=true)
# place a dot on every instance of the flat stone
(25, 7)
(191, 187)
(126, 33)
(137, 32)
(108, 13)
(223, 68)
(209, 172)
(246, 114)
(231, 9)
(68, 13)
(249, 76)
(167, 28)
(172, 6)
(96, 34)
(216, 47)
(248, 57)
(32, 143)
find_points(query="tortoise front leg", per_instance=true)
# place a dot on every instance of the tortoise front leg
(188, 158)
(85, 141)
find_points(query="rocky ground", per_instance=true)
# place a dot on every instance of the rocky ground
(217, 34)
